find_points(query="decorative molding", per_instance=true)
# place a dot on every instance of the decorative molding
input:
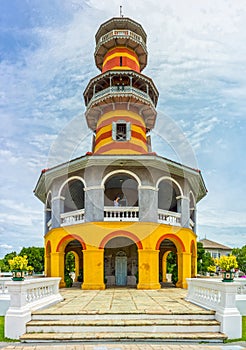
(145, 187)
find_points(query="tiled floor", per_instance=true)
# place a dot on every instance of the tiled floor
(110, 301)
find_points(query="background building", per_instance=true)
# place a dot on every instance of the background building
(216, 250)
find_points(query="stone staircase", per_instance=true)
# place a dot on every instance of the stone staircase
(66, 327)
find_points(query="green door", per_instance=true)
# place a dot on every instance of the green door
(121, 270)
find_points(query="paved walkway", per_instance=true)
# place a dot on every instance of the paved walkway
(124, 301)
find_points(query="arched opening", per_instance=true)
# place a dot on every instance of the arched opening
(167, 195)
(168, 265)
(169, 206)
(73, 194)
(73, 262)
(120, 262)
(123, 186)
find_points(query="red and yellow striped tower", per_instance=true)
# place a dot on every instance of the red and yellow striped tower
(121, 101)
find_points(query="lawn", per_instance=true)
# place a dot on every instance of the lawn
(244, 328)
(2, 338)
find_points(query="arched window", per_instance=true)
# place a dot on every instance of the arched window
(125, 187)
(73, 192)
(167, 195)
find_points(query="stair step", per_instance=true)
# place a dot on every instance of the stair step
(120, 316)
(125, 327)
(123, 322)
(119, 336)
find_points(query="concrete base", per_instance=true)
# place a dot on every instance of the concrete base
(93, 286)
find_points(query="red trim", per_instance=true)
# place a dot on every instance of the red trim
(120, 145)
(126, 62)
(121, 233)
(70, 238)
(103, 136)
(126, 118)
(171, 238)
(107, 134)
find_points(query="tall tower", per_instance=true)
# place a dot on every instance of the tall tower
(123, 241)
(121, 100)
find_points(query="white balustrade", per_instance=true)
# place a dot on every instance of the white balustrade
(192, 224)
(219, 296)
(73, 217)
(121, 33)
(49, 224)
(241, 295)
(27, 296)
(169, 217)
(120, 90)
(121, 213)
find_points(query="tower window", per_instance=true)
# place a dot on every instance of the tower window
(120, 61)
(121, 131)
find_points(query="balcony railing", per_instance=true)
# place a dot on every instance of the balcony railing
(120, 91)
(121, 33)
(121, 213)
(169, 217)
(73, 217)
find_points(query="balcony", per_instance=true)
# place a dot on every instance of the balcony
(126, 93)
(121, 213)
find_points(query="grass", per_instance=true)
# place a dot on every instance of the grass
(2, 337)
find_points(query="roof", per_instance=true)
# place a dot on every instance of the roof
(207, 244)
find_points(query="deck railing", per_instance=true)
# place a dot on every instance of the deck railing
(121, 91)
(169, 217)
(121, 213)
(73, 217)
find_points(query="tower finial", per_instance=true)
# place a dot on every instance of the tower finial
(121, 14)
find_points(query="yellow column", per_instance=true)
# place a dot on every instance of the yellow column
(184, 269)
(93, 269)
(148, 269)
(57, 267)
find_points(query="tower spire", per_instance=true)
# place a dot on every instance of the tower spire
(121, 14)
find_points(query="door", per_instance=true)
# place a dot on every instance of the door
(120, 270)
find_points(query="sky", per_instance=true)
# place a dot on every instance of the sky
(197, 59)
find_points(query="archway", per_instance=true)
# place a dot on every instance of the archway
(168, 262)
(73, 262)
(168, 191)
(124, 186)
(48, 211)
(120, 262)
(73, 194)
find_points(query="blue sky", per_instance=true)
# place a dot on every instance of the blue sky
(197, 59)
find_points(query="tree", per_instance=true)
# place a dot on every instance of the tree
(35, 256)
(4, 263)
(204, 259)
(240, 254)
